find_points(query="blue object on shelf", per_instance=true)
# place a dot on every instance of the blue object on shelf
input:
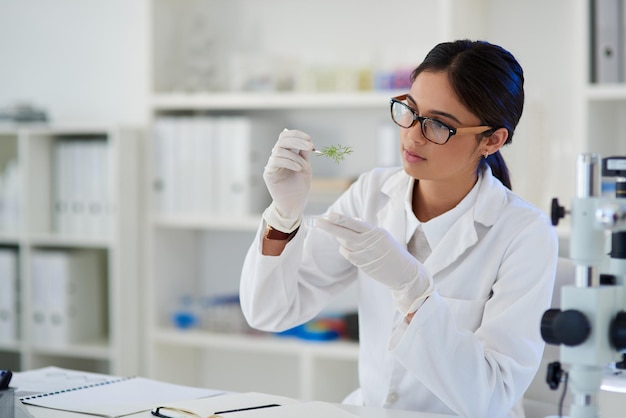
(185, 319)
(311, 332)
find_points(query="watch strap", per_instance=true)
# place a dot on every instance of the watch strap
(275, 234)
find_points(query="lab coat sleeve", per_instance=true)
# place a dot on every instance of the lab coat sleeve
(483, 373)
(280, 292)
(267, 296)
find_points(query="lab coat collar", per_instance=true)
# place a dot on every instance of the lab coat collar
(462, 235)
(392, 214)
(492, 197)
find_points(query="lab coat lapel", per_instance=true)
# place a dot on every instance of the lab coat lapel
(459, 238)
(391, 215)
(463, 234)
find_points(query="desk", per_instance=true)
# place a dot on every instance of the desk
(362, 412)
(122, 392)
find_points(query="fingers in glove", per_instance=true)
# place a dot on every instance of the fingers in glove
(291, 152)
(296, 141)
(337, 224)
(287, 158)
(353, 234)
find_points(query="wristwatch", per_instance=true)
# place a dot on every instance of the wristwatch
(275, 234)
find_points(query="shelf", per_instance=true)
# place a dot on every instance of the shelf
(268, 101)
(212, 222)
(10, 346)
(51, 240)
(8, 239)
(604, 92)
(96, 350)
(55, 129)
(260, 343)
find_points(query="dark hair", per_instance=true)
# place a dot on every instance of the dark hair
(489, 82)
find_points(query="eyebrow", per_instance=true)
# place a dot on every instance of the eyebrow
(435, 112)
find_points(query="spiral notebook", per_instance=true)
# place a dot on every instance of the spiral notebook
(117, 398)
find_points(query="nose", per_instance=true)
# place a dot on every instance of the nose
(414, 133)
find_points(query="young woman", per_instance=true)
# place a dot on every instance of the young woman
(454, 270)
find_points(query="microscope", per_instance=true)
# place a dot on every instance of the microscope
(590, 327)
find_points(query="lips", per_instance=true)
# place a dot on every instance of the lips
(412, 157)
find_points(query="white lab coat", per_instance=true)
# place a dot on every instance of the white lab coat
(473, 347)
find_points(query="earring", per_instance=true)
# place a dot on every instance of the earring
(486, 154)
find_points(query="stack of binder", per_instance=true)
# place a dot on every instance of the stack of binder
(9, 197)
(608, 43)
(8, 295)
(211, 165)
(68, 297)
(82, 203)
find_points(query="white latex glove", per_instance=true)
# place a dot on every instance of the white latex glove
(287, 176)
(376, 253)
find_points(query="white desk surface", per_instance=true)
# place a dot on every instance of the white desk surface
(361, 412)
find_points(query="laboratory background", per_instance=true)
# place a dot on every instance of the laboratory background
(133, 135)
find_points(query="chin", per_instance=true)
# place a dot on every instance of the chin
(411, 171)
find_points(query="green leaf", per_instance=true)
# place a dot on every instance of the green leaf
(336, 152)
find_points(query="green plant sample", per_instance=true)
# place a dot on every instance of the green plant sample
(336, 152)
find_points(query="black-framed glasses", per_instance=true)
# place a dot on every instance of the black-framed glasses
(434, 130)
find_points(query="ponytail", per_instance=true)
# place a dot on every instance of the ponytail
(498, 168)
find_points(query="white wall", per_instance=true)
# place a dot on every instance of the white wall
(82, 60)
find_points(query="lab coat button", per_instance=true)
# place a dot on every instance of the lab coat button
(392, 398)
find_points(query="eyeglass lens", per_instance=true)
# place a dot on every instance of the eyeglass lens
(402, 115)
(432, 129)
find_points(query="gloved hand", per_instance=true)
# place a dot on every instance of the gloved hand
(376, 253)
(287, 176)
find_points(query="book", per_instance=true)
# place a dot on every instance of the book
(606, 41)
(8, 295)
(116, 398)
(242, 150)
(81, 195)
(204, 161)
(10, 197)
(164, 132)
(67, 294)
(249, 405)
(96, 193)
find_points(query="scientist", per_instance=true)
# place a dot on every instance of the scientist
(454, 270)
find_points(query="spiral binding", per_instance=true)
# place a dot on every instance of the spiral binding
(57, 392)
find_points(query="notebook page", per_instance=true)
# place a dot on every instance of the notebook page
(52, 378)
(118, 398)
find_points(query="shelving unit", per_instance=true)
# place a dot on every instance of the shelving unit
(202, 253)
(32, 148)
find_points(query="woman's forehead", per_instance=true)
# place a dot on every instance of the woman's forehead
(432, 93)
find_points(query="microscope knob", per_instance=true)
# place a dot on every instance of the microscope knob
(557, 212)
(569, 327)
(547, 329)
(617, 331)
